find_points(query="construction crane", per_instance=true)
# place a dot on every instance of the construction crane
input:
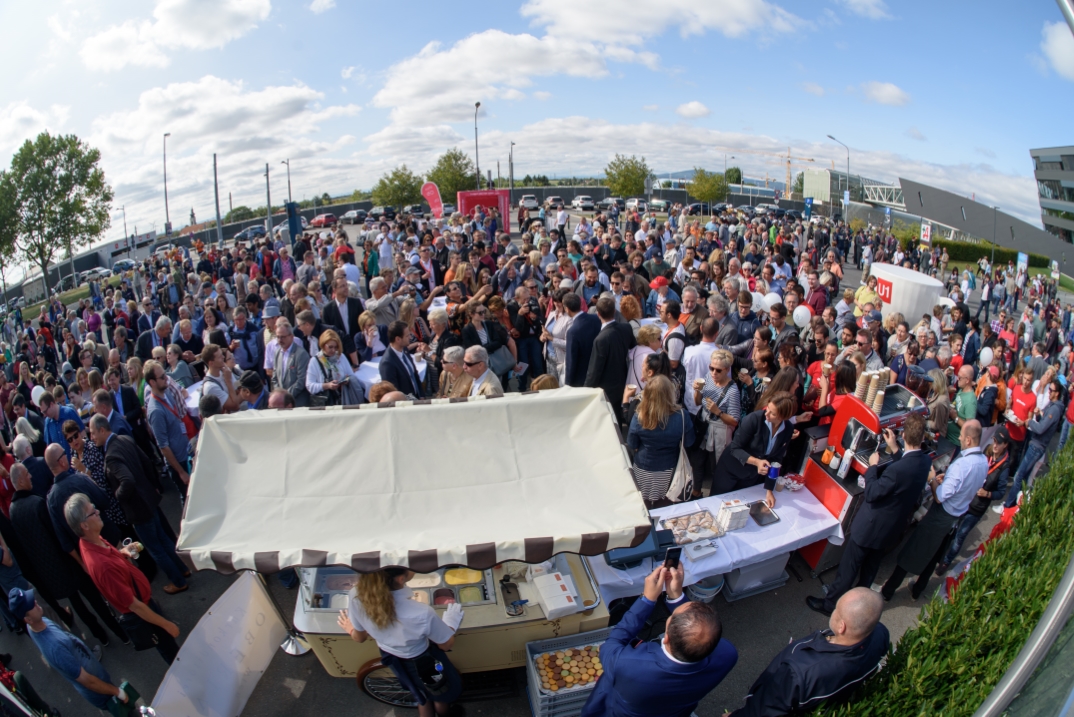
(787, 158)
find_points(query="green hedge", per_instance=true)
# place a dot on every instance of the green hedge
(958, 652)
(965, 251)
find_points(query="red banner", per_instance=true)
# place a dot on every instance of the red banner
(499, 198)
(432, 195)
(883, 290)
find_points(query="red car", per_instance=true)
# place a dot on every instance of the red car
(324, 220)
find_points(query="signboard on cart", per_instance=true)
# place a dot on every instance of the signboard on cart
(499, 198)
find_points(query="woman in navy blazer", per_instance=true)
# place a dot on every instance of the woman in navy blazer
(746, 461)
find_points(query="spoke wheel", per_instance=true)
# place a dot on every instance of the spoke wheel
(381, 684)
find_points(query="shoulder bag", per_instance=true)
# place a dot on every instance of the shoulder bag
(682, 479)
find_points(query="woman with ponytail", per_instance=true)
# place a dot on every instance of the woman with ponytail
(411, 636)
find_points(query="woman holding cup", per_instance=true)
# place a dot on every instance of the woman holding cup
(717, 394)
(760, 442)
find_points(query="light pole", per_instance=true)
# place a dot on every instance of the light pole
(848, 167)
(511, 175)
(167, 216)
(995, 211)
(288, 163)
(268, 206)
(726, 183)
(477, 155)
(216, 198)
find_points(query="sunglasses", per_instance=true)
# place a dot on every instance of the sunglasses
(862, 343)
(715, 369)
(471, 364)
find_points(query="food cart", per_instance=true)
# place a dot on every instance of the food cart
(462, 491)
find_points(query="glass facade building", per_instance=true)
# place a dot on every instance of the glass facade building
(1053, 168)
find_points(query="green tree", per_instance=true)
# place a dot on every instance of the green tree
(454, 172)
(240, 213)
(326, 199)
(799, 183)
(397, 188)
(733, 175)
(626, 175)
(59, 195)
(9, 220)
(707, 186)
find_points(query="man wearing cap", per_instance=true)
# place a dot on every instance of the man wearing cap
(65, 653)
(660, 293)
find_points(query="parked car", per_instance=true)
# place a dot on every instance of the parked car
(382, 213)
(637, 203)
(528, 201)
(606, 203)
(699, 209)
(247, 234)
(416, 210)
(746, 209)
(449, 209)
(124, 265)
(355, 216)
(794, 214)
(553, 202)
(324, 220)
(582, 203)
(660, 205)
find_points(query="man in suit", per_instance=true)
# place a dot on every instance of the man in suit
(580, 338)
(148, 318)
(103, 405)
(891, 495)
(131, 478)
(247, 342)
(125, 402)
(665, 678)
(40, 475)
(825, 666)
(289, 364)
(397, 366)
(608, 363)
(483, 381)
(342, 314)
(161, 335)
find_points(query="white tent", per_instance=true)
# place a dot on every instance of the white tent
(906, 291)
(416, 484)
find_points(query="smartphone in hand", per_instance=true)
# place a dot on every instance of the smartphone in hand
(671, 560)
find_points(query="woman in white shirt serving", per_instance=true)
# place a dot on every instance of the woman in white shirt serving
(411, 637)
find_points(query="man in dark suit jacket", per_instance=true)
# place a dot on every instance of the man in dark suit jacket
(161, 335)
(132, 478)
(608, 364)
(891, 495)
(396, 365)
(580, 338)
(125, 401)
(342, 314)
(147, 319)
(665, 678)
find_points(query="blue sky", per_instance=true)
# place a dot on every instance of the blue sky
(953, 94)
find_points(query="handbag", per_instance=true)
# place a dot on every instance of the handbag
(682, 479)
(501, 361)
(327, 397)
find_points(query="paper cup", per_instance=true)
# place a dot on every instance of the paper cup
(826, 369)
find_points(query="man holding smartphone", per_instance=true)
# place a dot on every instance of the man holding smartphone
(668, 678)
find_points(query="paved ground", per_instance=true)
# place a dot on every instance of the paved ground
(759, 627)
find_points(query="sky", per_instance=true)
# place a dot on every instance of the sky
(952, 94)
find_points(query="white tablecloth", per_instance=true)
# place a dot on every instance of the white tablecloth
(369, 372)
(803, 521)
(193, 395)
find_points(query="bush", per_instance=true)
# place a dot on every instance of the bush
(958, 652)
(965, 251)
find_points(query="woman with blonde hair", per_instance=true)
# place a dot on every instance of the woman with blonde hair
(329, 374)
(411, 636)
(717, 395)
(939, 402)
(544, 382)
(630, 310)
(554, 335)
(417, 330)
(658, 428)
(649, 341)
(761, 439)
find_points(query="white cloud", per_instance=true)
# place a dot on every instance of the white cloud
(873, 9)
(630, 22)
(246, 127)
(651, 108)
(319, 6)
(541, 95)
(985, 152)
(813, 88)
(346, 72)
(885, 93)
(915, 133)
(189, 24)
(692, 110)
(20, 122)
(1057, 44)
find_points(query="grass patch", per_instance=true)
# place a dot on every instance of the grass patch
(68, 297)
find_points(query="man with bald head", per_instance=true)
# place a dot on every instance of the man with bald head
(825, 665)
(65, 483)
(668, 677)
(954, 491)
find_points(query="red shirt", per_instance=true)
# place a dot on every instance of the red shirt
(114, 576)
(814, 372)
(1022, 404)
(7, 490)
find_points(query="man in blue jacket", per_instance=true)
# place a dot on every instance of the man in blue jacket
(667, 678)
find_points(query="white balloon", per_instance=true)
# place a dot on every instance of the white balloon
(772, 298)
(759, 302)
(36, 394)
(801, 316)
(986, 357)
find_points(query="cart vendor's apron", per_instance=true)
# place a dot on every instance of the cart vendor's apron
(419, 675)
(926, 540)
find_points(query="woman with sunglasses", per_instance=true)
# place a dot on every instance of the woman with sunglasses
(717, 394)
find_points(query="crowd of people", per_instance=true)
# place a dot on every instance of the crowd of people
(664, 315)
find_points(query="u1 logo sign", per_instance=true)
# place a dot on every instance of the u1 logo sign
(883, 289)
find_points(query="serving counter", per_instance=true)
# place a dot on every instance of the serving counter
(488, 639)
(803, 520)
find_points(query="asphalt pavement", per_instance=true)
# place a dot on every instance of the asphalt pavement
(759, 627)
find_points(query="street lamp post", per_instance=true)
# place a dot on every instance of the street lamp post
(477, 154)
(995, 212)
(726, 183)
(268, 205)
(167, 216)
(511, 175)
(848, 167)
(288, 163)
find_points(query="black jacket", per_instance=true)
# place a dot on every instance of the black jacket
(580, 339)
(497, 336)
(131, 477)
(751, 441)
(395, 372)
(46, 564)
(996, 484)
(331, 317)
(891, 495)
(609, 363)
